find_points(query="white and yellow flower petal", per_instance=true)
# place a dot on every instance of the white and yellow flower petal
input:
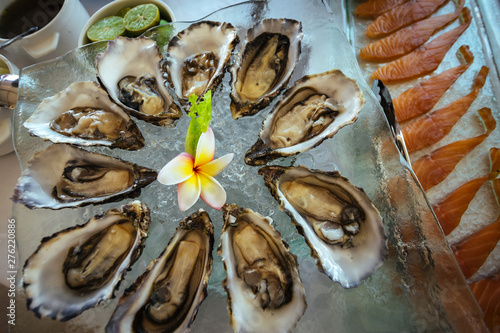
(205, 150)
(214, 167)
(178, 170)
(212, 192)
(188, 192)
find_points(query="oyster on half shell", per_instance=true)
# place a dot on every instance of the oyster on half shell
(265, 64)
(77, 268)
(130, 70)
(264, 290)
(339, 222)
(313, 110)
(63, 176)
(167, 296)
(198, 56)
(83, 114)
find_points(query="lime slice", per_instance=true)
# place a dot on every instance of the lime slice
(141, 18)
(123, 11)
(106, 29)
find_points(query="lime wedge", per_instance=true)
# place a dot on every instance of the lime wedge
(106, 29)
(141, 18)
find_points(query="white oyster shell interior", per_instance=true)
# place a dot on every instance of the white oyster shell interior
(43, 277)
(245, 306)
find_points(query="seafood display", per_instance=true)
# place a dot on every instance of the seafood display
(356, 236)
(471, 253)
(83, 114)
(167, 296)
(424, 96)
(198, 57)
(313, 110)
(339, 222)
(424, 59)
(262, 275)
(433, 168)
(130, 71)
(450, 210)
(405, 40)
(264, 64)
(402, 15)
(79, 267)
(62, 176)
(441, 121)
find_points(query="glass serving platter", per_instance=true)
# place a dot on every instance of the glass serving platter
(482, 39)
(418, 288)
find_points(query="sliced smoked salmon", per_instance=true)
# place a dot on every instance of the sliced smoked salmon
(401, 16)
(373, 8)
(405, 40)
(471, 253)
(424, 59)
(449, 211)
(487, 293)
(434, 126)
(433, 168)
(421, 98)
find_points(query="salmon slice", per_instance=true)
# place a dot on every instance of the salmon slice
(449, 211)
(471, 253)
(401, 16)
(373, 8)
(434, 126)
(405, 40)
(424, 59)
(422, 98)
(487, 293)
(433, 168)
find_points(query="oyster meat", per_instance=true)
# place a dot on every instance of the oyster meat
(65, 176)
(83, 114)
(265, 64)
(339, 222)
(264, 290)
(130, 70)
(167, 296)
(77, 268)
(198, 56)
(313, 110)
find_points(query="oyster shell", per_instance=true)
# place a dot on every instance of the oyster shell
(130, 71)
(83, 114)
(313, 110)
(63, 176)
(77, 268)
(339, 222)
(167, 296)
(265, 64)
(198, 56)
(263, 286)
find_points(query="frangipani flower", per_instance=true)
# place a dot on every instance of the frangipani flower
(194, 176)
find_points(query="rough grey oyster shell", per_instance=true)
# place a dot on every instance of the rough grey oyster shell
(264, 290)
(60, 119)
(64, 277)
(337, 219)
(198, 56)
(151, 303)
(264, 65)
(130, 70)
(63, 176)
(313, 110)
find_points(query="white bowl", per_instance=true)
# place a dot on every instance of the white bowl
(114, 7)
(6, 115)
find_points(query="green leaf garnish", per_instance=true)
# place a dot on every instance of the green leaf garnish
(200, 114)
